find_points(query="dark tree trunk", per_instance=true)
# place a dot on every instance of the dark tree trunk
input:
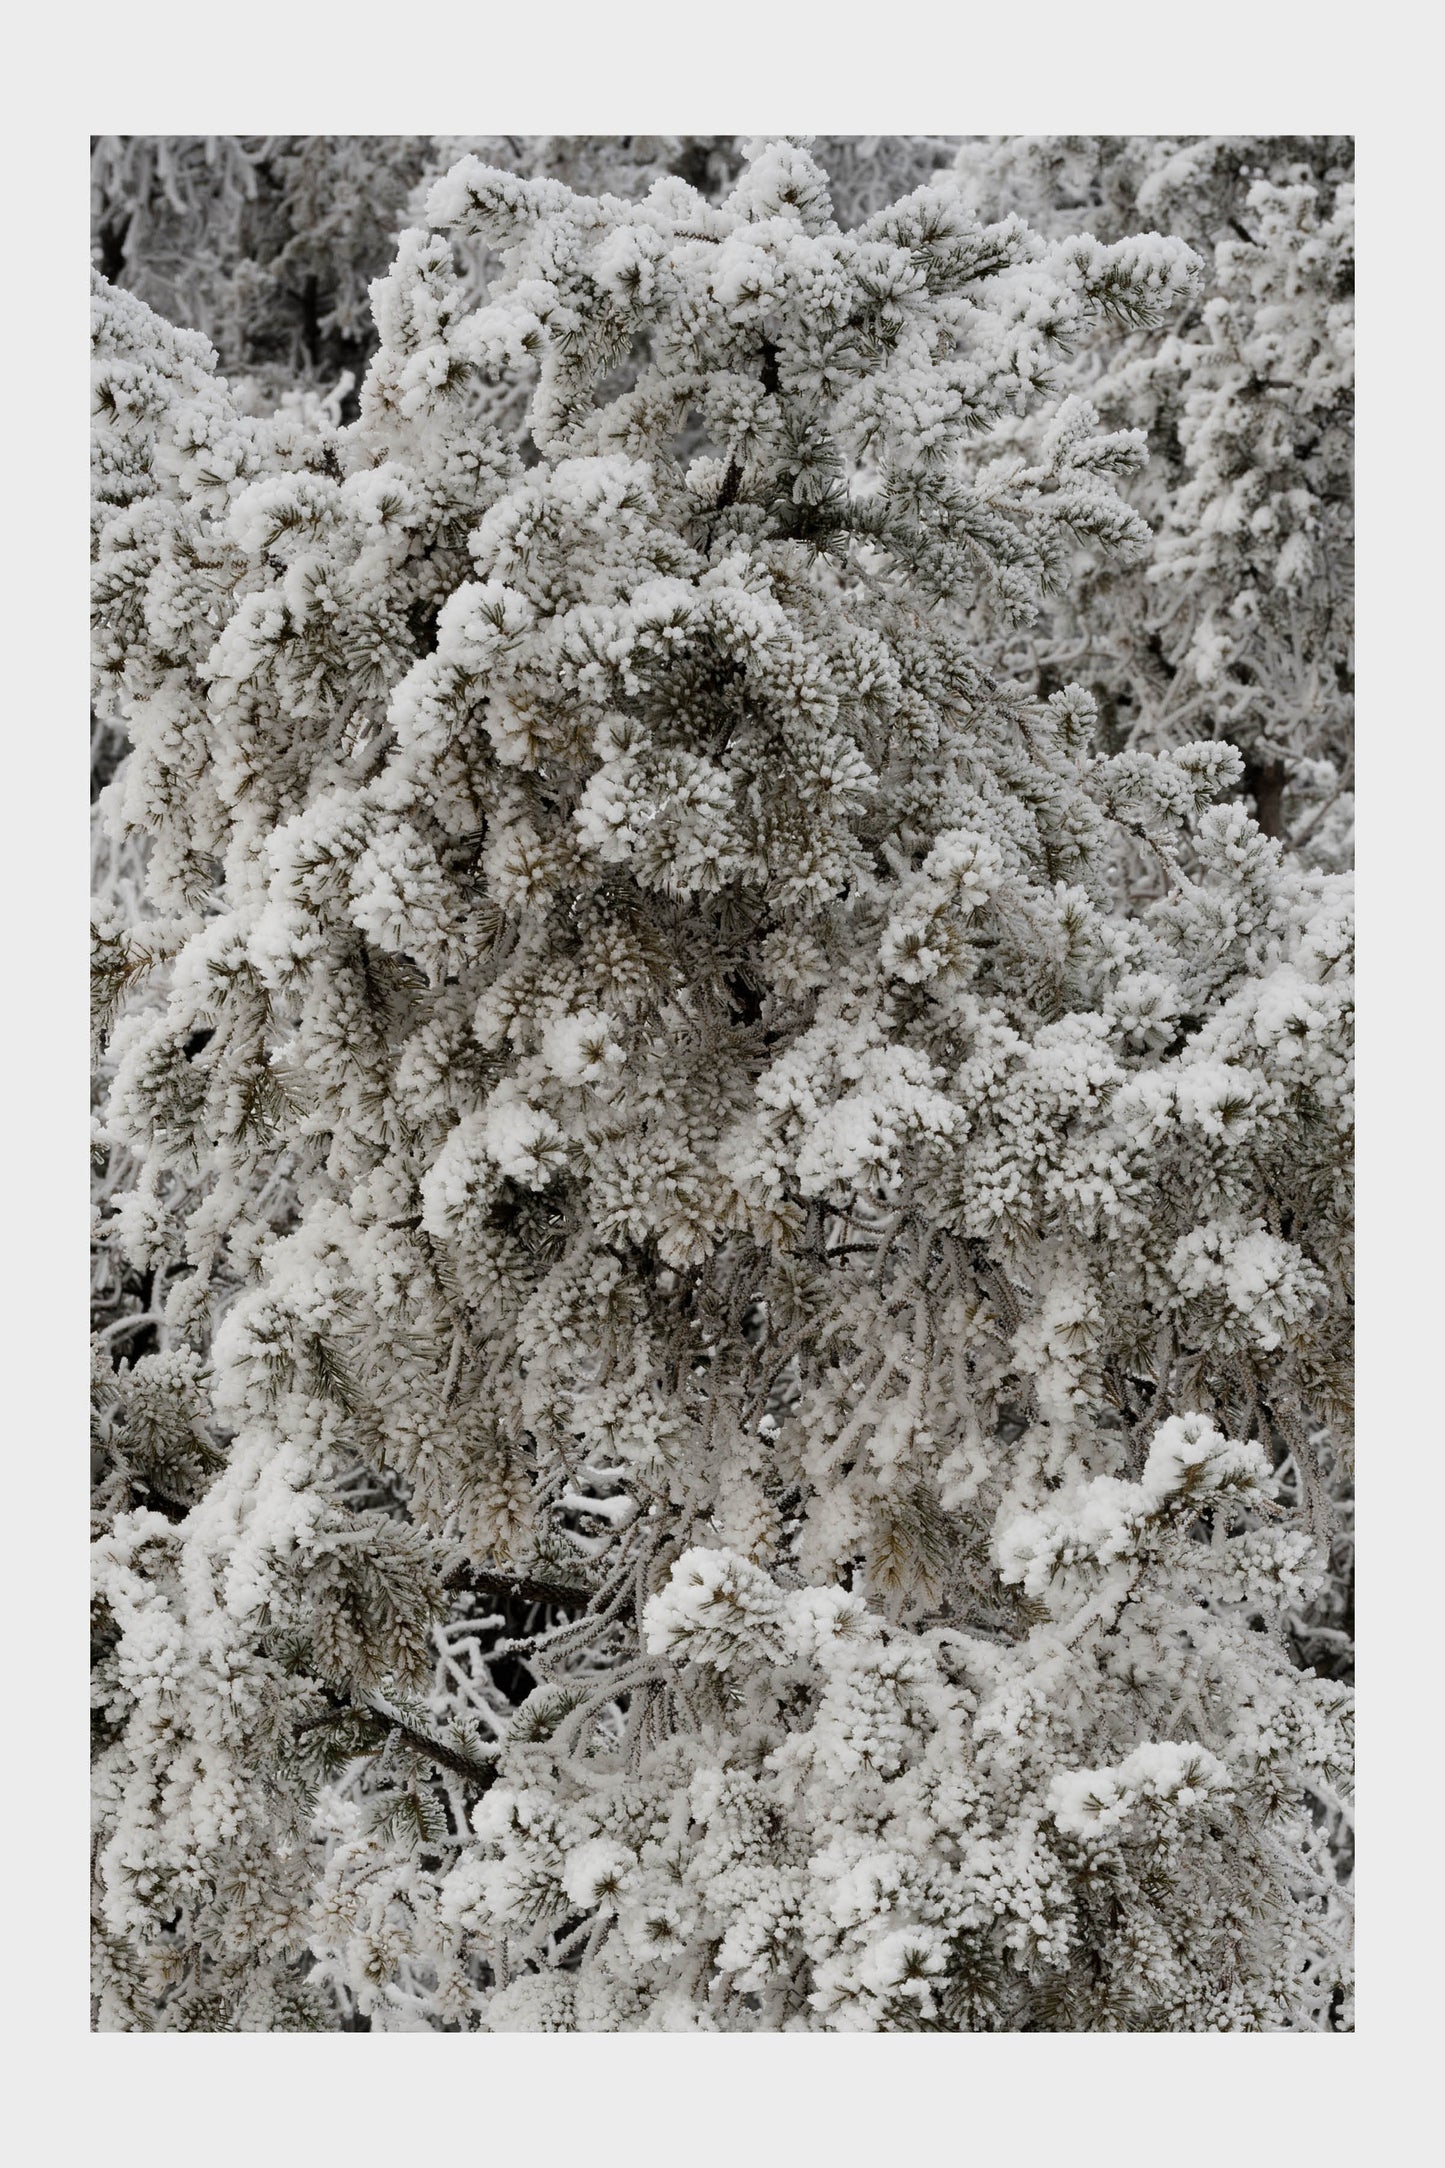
(1265, 781)
(112, 247)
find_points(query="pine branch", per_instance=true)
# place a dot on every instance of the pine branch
(561, 1595)
(445, 1757)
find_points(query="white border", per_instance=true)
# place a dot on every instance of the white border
(909, 68)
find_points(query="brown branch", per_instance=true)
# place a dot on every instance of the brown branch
(445, 1757)
(514, 1588)
(727, 495)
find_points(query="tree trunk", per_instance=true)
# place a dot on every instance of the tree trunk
(1265, 781)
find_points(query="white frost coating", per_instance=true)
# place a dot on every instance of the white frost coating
(523, 1140)
(580, 1049)
(745, 1186)
(715, 1608)
(1094, 1802)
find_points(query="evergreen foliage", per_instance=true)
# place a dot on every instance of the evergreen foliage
(744, 1219)
(1241, 626)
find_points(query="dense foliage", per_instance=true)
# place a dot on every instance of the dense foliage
(734, 1413)
(1241, 624)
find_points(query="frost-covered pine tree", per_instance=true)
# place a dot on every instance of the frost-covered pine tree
(747, 1350)
(1241, 624)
